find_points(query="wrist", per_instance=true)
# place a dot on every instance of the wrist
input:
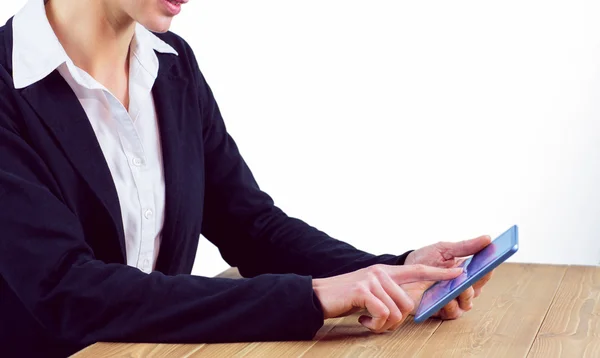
(316, 282)
(406, 258)
(316, 285)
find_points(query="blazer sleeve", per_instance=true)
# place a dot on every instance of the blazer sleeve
(244, 223)
(45, 261)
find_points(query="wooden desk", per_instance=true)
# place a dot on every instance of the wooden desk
(526, 310)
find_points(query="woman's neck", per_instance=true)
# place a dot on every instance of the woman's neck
(95, 35)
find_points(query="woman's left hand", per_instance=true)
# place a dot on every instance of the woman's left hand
(448, 254)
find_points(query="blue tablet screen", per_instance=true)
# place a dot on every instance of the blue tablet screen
(495, 251)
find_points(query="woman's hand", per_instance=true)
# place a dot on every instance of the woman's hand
(378, 290)
(448, 254)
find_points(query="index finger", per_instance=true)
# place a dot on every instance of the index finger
(415, 273)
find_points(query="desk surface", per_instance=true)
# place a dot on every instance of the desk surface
(526, 310)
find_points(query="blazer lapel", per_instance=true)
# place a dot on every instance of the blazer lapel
(72, 129)
(57, 105)
(171, 98)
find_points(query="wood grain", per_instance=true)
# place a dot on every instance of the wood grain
(265, 349)
(572, 325)
(350, 339)
(139, 350)
(505, 318)
(231, 272)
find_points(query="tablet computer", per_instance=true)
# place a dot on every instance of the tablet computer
(475, 267)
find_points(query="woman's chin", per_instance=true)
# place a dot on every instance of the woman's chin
(158, 24)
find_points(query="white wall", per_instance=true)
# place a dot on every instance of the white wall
(395, 124)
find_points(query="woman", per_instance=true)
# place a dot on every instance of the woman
(114, 159)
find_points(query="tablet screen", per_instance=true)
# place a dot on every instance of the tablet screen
(473, 265)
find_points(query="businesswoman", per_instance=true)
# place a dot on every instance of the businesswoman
(114, 159)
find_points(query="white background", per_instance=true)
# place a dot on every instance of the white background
(396, 124)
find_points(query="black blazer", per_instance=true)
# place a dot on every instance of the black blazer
(64, 283)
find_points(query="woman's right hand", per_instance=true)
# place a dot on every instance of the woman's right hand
(376, 289)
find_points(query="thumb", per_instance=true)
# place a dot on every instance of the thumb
(466, 247)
